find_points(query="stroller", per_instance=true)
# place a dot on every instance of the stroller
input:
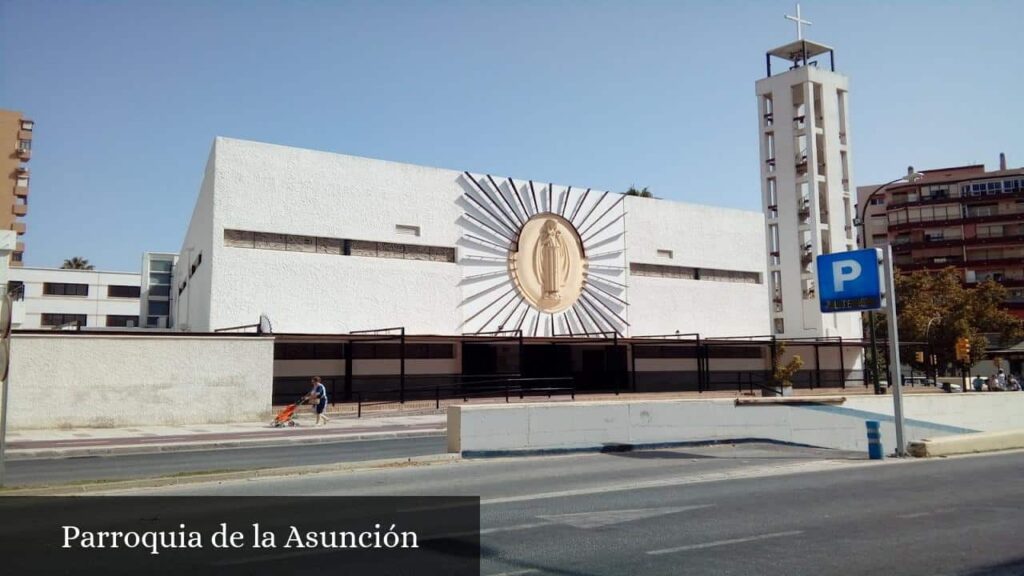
(286, 417)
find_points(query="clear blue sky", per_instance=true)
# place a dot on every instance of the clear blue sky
(127, 96)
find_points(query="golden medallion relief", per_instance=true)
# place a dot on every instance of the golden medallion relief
(550, 265)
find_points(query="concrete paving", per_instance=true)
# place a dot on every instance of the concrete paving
(39, 472)
(728, 510)
(66, 443)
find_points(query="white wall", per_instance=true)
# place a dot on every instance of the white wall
(96, 306)
(591, 425)
(97, 380)
(259, 187)
(191, 308)
(700, 237)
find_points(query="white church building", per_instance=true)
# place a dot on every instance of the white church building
(325, 243)
(373, 273)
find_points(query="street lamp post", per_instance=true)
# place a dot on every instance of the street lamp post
(911, 176)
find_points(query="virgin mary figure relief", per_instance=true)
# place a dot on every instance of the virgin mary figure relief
(551, 262)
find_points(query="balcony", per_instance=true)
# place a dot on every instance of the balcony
(931, 264)
(23, 154)
(954, 197)
(1012, 216)
(18, 227)
(21, 191)
(19, 209)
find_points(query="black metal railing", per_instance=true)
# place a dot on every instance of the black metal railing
(497, 388)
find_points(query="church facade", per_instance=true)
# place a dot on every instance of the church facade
(323, 243)
(381, 276)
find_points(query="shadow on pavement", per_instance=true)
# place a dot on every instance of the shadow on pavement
(1011, 568)
(750, 452)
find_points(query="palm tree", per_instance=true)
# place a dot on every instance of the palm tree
(643, 193)
(77, 263)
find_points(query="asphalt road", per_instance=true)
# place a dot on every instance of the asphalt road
(129, 466)
(749, 509)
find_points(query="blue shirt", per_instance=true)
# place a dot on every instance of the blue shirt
(321, 392)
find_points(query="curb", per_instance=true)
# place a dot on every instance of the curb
(199, 477)
(968, 444)
(50, 453)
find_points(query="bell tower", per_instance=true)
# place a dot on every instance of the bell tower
(806, 182)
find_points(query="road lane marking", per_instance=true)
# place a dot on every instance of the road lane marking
(513, 528)
(602, 518)
(724, 542)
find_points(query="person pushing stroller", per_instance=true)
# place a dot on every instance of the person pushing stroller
(318, 398)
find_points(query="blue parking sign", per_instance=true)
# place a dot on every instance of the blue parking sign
(850, 281)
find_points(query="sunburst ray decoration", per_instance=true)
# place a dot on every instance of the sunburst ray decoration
(495, 213)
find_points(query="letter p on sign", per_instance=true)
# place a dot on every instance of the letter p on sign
(849, 281)
(844, 271)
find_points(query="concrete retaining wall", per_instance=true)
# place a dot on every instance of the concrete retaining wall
(95, 380)
(594, 425)
(968, 443)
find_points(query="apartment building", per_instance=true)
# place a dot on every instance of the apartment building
(16, 142)
(52, 298)
(155, 300)
(964, 217)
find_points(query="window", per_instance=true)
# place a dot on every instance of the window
(160, 265)
(116, 321)
(990, 231)
(27, 125)
(62, 289)
(407, 230)
(662, 271)
(877, 201)
(195, 264)
(735, 352)
(688, 273)
(160, 278)
(986, 210)
(338, 246)
(665, 254)
(161, 291)
(22, 182)
(665, 351)
(159, 308)
(309, 351)
(51, 319)
(25, 145)
(115, 291)
(16, 288)
(413, 351)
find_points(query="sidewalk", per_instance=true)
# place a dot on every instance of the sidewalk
(387, 420)
(26, 444)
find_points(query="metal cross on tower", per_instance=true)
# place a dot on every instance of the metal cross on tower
(799, 22)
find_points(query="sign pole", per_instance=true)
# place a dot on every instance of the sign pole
(3, 434)
(6, 310)
(894, 350)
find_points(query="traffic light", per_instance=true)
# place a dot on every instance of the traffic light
(919, 357)
(963, 349)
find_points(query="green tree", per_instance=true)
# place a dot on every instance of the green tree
(643, 192)
(77, 263)
(783, 374)
(940, 299)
